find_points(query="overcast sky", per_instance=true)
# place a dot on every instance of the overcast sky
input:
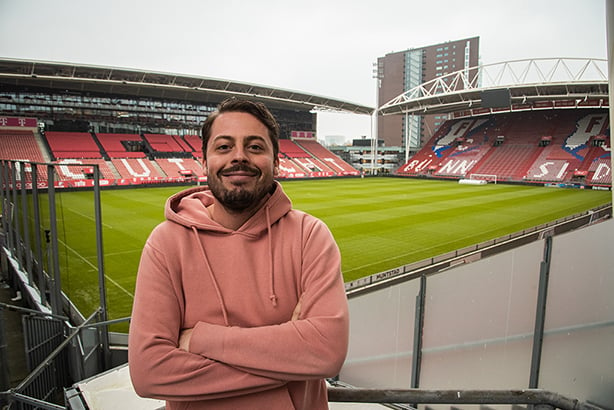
(324, 47)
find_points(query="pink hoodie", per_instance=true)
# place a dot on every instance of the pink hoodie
(238, 290)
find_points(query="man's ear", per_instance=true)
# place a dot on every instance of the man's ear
(276, 168)
(204, 164)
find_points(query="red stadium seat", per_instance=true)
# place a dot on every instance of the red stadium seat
(72, 144)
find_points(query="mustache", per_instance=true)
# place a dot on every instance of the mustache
(240, 168)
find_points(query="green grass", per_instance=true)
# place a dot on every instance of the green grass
(379, 224)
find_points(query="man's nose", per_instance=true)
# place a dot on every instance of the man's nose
(239, 154)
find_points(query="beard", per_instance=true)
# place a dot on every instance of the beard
(240, 197)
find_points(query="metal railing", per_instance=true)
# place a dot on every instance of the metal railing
(31, 386)
(542, 399)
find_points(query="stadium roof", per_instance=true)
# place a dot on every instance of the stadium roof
(124, 81)
(517, 85)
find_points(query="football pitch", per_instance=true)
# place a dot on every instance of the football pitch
(379, 224)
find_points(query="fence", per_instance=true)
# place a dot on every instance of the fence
(59, 349)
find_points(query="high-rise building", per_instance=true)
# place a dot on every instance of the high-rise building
(401, 71)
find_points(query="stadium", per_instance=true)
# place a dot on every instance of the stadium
(517, 317)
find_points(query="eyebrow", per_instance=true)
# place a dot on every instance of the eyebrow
(249, 138)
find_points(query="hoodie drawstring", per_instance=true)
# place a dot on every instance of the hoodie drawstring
(212, 276)
(272, 296)
(218, 292)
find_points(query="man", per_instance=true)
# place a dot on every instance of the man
(239, 302)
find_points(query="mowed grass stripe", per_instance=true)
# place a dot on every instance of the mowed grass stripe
(379, 224)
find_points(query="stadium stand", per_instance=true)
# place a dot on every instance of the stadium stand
(184, 145)
(291, 150)
(20, 145)
(72, 145)
(314, 166)
(180, 167)
(599, 172)
(195, 144)
(122, 145)
(509, 161)
(550, 146)
(332, 162)
(289, 169)
(81, 169)
(163, 143)
(140, 168)
(151, 158)
(464, 140)
(568, 146)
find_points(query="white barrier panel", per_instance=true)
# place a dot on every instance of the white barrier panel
(113, 390)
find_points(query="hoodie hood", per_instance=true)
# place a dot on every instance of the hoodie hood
(189, 208)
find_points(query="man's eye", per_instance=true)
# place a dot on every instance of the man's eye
(223, 147)
(256, 147)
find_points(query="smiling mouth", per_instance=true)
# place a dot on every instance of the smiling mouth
(239, 179)
(240, 172)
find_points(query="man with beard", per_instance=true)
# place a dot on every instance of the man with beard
(239, 301)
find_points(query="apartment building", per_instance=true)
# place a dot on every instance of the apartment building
(401, 71)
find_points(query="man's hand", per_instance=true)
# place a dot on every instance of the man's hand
(297, 310)
(184, 339)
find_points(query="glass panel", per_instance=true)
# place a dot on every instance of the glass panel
(381, 340)
(479, 323)
(578, 350)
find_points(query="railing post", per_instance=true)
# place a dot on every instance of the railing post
(4, 361)
(14, 220)
(418, 330)
(26, 226)
(38, 246)
(104, 330)
(540, 315)
(54, 263)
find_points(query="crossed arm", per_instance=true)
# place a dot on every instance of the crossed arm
(186, 334)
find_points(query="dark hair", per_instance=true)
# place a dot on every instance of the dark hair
(257, 109)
